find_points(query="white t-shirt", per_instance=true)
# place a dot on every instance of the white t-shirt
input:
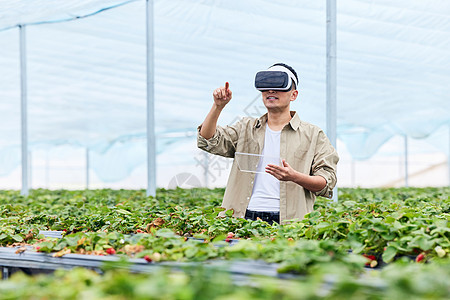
(266, 188)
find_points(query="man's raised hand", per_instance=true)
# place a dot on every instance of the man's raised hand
(222, 95)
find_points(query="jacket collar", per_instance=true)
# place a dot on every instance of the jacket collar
(294, 122)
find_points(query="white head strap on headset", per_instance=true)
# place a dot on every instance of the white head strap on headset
(286, 70)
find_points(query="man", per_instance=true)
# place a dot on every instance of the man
(308, 168)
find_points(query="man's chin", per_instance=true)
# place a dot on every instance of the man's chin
(276, 108)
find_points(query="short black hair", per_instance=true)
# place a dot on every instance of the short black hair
(290, 69)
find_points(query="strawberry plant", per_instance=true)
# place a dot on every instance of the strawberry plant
(386, 223)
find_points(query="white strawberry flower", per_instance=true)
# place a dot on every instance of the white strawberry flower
(440, 252)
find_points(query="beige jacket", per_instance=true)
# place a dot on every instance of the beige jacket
(304, 146)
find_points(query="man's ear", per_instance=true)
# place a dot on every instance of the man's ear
(294, 95)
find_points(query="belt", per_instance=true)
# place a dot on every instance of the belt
(268, 216)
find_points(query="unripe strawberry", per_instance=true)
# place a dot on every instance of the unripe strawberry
(230, 235)
(156, 256)
(148, 258)
(373, 263)
(111, 251)
(420, 257)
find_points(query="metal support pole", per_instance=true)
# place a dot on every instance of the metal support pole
(353, 177)
(448, 155)
(47, 170)
(30, 169)
(151, 142)
(87, 168)
(406, 161)
(24, 122)
(331, 77)
(5, 273)
(206, 167)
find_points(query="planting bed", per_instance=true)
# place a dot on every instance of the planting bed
(358, 247)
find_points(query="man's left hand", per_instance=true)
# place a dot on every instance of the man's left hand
(283, 173)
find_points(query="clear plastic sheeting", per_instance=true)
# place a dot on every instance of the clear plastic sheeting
(87, 77)
(23, 12)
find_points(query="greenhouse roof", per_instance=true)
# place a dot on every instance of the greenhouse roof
(86, 71)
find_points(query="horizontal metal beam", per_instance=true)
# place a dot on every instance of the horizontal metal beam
(45, 261)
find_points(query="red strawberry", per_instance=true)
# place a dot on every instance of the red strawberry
(420, 257)
(227, 240)
(371, 259)
(230, 235)
(37, 248)
(139, 231)
(111, 251)
(148, 258)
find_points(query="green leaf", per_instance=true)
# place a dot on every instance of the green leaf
(389, 254)
(425, 244)
(123, 263)
(309, 233)
(17, 238)
(46, 246)
(349, 203)
(71, 241)
(389, 220)
(123, 212)
(322, 225)
(357, 247)
(219, 238)
(397, 215)
(397, 226)
(165, 232)
(388, 236)
(191, 252)
(218, 209)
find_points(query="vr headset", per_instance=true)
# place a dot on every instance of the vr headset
(276, 78)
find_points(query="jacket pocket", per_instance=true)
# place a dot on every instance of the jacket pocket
(303, 161)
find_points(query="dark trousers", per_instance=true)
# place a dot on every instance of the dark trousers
(268, 216)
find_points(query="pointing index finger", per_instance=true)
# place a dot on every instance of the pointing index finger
(227, 85)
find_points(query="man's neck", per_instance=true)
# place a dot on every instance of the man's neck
(277, 120)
